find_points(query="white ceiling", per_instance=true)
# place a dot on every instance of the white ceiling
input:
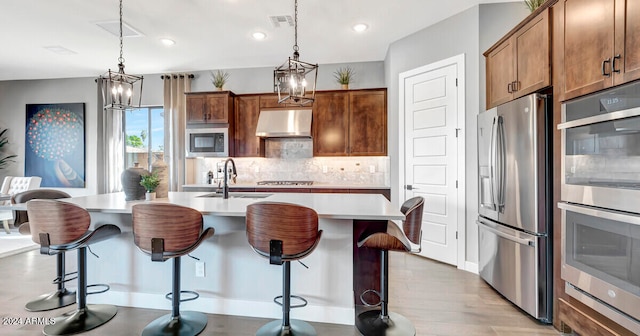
(209, 34)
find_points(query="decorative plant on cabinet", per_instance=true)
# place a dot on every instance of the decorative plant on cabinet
(344, 76)
(219, 78)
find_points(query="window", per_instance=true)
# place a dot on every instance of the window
(144, 136)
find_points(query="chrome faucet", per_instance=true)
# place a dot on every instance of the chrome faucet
(225, 185)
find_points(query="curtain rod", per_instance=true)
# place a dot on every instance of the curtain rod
(176, 76)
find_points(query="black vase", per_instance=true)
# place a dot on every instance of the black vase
(130, 179)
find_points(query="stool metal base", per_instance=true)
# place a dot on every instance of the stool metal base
(370, 323)
(187, 324)
(58, 299)
(296, 328)
(81, 320)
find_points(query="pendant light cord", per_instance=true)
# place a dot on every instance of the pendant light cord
(121, 59)
(295, 27)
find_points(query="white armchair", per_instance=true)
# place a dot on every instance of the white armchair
(11, 186)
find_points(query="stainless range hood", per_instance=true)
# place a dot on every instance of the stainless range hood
(283, 123)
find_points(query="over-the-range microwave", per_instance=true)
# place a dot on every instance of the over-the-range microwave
(207, 142)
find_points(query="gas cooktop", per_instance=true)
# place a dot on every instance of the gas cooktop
(285, 183)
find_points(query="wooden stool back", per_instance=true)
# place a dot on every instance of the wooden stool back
(64, 222)
(296, 226)
(412, 210)
(179, 226)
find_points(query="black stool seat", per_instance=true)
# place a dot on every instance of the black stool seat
(60, 227)
(62, 296)
(166, 231)
(271, 233)
(381, 322)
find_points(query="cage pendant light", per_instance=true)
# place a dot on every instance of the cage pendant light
(121, 90)
(295, 81)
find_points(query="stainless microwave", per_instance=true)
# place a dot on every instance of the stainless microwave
(207, 142)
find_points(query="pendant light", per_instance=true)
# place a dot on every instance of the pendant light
(290, 79)
(120, 89)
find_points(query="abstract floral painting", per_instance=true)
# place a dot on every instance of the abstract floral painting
(54, 144)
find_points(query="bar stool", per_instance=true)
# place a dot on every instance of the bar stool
(167, 231)
(62, 297)
(382, 322)
(283, 233)
(60, 227)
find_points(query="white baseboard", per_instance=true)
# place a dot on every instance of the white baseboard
(313, 313)
(471, 267)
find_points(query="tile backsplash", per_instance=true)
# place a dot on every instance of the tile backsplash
(367, 170)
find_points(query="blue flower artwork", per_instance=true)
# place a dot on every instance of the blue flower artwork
(55, 144)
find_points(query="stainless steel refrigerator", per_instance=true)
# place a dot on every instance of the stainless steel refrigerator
(515, 202)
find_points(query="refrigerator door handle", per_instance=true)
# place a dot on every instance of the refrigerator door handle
(492, 163)
(501, 162)
(518, 240)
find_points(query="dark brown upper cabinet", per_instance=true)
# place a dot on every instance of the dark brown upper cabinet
(210, 107)
(601, 45)
(519, 63)
(350, 123)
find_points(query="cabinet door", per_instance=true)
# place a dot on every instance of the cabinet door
(588, 45)
(500, 74)
(627, 41)
(246, 121)
(330, 125)
(368, 123)
(217, 108)
(196, 109)
(533, 70)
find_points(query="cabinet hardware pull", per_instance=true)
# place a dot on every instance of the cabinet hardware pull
(604, 72)
(515, 86)
(613, 65)
(509, 87)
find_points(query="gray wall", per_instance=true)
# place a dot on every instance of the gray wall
(14, 95)
(459, 34)
(259, 80)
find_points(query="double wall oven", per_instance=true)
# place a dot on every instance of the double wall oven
(601, 202)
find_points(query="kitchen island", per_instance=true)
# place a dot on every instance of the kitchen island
(236, 280)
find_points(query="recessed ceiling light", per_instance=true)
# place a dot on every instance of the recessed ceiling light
(360, 27)
(167, 42)
(259, 36)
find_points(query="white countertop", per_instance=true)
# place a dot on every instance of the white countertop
(315, 185)
(336, 206)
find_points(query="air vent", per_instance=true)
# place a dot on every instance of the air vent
(113, 27)
(60, 50)
(278, 20)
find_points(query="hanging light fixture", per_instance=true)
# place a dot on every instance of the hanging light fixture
(290, 79)
(120, 89)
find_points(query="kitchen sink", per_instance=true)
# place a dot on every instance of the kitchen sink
(237, 195)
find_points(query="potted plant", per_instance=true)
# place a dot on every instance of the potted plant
(150, 182)
(533, 4)
(4, 141)
(219, 78)
(344, 76)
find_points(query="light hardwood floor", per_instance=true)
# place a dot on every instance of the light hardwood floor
(437, 298)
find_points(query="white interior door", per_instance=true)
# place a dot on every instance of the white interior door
(431, 157)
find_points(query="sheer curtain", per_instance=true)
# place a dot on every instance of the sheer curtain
(111, 154)
(175, 85)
